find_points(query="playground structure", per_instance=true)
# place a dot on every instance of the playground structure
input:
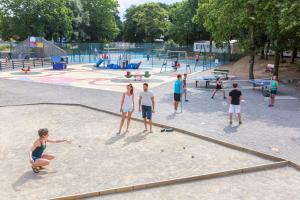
(36, 47)
(58, 63)
(138, 76)
(175, 58)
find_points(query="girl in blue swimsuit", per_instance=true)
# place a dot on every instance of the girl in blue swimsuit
(37, 157)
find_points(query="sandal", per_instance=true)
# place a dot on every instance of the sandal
(35, 169)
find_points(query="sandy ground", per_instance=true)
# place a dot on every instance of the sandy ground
(98, 159)
(287, 71)
(268, 185)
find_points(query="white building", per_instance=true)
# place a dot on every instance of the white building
(203, 47)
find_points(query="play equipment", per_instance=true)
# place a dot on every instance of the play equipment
(175, 57)
(25, 69)
(137, 76)
(99, 62)
(58, 63)
(128, 66)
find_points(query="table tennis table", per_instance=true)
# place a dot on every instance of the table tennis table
(207, 80)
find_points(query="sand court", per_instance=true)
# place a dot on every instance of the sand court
(98, 159)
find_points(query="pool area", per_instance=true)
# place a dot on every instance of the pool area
(148, 61)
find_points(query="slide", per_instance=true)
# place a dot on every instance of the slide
(99, 62)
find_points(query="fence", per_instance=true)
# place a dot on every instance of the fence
(150, 54)
(25, 63)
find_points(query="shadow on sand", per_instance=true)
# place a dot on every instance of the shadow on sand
(136, 138)
(29, 176)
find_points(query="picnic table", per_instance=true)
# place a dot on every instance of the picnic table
(222, 72)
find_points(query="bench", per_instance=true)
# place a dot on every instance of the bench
(223, 72)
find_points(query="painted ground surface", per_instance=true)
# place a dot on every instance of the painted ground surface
(98, 159)
(86, 76)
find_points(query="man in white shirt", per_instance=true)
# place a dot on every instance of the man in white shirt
(146, 105)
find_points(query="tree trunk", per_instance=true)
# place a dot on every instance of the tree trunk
(282, 57)
(267, 50)
(210, 45)
(276, 63)
(294, 55)
(262, 54)
(252, 53)
(251, 66)
(229, 52)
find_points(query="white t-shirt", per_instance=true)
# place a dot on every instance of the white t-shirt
(146, 98)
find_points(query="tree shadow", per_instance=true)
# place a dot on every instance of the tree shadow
(135, 138)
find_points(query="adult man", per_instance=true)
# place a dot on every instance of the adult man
(147, 105)
(177, 91)
(235, 97)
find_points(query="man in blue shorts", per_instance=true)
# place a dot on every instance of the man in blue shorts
(146, 105)
(177, 92)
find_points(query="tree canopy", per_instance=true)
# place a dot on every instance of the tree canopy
(255, 24)
(252, 23)
(146, 22)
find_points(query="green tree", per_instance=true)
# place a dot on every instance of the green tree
(282, 21)
(234, 19)
(145, 23)
(45, 18)
(80, 19)
(102, 26)
(182, 29)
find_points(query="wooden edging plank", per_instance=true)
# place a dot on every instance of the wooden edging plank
(176, 181)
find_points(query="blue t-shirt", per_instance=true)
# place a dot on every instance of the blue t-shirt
(177, 87)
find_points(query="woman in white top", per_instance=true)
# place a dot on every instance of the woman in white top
(127, 106)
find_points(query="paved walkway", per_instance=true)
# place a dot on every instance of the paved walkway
(264, 128)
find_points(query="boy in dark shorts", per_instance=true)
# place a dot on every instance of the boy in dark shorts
(146, 102)
(235, 97)
(177, 91)
(219, 87)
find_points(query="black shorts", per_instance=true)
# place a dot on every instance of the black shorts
(273, 91)
(177, 97)
(147, 112)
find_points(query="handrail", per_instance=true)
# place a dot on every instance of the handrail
(32, 62)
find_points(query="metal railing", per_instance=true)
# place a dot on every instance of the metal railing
(25, 63)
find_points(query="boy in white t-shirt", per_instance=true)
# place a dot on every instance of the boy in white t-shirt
(146, 105)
